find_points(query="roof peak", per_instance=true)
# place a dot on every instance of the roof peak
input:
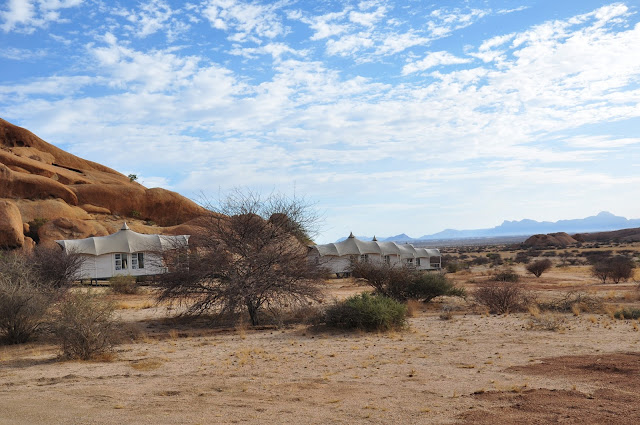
(124, 226)
(351, 235)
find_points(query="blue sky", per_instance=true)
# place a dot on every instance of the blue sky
(392, 116)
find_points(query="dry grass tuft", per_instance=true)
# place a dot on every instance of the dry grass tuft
(546, 322)
(151, 363)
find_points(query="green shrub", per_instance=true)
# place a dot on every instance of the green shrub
(633, 313)
(404, 283)
(85, 327)
(123, 284)
(427, 286)
(367, 312)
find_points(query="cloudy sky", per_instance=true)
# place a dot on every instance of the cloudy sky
(393, 116)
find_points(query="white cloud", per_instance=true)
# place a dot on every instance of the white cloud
(17, 54)
(276, 50)
(367, 19)
(349, 44)
(27, 15)
(600, 142)
(432, 60)
(444, 21)
(245, 21)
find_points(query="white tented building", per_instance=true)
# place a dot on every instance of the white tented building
(337, 257)
(123, 253)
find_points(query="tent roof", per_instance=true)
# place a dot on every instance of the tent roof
(354, 246)
(125, 240)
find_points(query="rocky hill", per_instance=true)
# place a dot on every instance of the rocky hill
(48, 194)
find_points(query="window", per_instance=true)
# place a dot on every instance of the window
(417, 261)
(364, 258)
(121, 260)
(387, 259)
(410, 261)
(137, 260)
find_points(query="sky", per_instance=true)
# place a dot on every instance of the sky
(389, 116)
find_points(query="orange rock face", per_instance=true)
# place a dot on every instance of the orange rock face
(47, 184)
(11, 228)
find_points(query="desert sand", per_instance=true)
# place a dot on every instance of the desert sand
(473, 368)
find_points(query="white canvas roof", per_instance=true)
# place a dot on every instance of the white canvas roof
(354, 246)
(125, 240)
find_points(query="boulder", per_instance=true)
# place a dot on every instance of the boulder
(11, 235)
(560, 239)
(49, 209)
(95, 209)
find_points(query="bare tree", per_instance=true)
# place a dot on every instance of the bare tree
(251, 255)
(538, 267)
(54, 266)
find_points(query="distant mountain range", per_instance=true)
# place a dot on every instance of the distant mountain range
(604, 221)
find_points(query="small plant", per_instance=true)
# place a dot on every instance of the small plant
(546, 322)
(574, 302)
(502, 297)
(135, 213)
(123, 284)
(627, 314)
(538, 267)
(85, 327)
(506, 275)
(446, 313)
(367, 312)
(132, 177)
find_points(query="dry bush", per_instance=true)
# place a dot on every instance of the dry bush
(546, 321)
(503, 297)
(446, 313)
(538, 267)
(574, 302)
(54, 267)
(123, 284)
(633, 313)
(505, 275)
(85, 327)
(24, 298)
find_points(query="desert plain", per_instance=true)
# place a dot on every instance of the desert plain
(464, 367)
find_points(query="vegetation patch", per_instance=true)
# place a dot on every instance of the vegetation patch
(627, 314)
(367, 312)
(85, 326)
(503, 297)
(123, 284)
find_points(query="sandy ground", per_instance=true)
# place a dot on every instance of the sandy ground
(475, 368)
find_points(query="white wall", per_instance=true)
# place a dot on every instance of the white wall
(103, 266)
